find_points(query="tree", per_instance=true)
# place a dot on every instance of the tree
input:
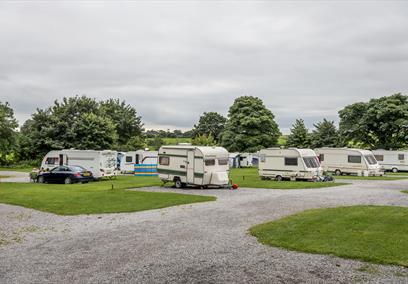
(210, 123)
(324, 135)
(134, 143)
(8, 134)
(76, 122)
(250, 126)
(204, 140)
(379, 123)
(156, 143)
(127, 123)
(299, 135)
(94, 132)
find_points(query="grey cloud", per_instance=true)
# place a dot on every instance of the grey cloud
(175, 60)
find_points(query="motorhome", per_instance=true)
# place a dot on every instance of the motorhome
(291, 163)
(193, 165)
(100, 163)
(128, 160)
(394, 161)
(349, 161)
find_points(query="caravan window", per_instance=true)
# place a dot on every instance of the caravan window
(210, 162)
(291, 161)
(223, 161)
(401, 157)
(311, 162)
(379, 157)
(51, 161)
(263, 158)
(128, 159)
(321, 157)
(354, 159)
(164, 161)
(370, 159)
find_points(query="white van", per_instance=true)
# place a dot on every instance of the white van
(193, 165)
(349, 161)
(291, 163)
(128, 160)
(100, 163)
(392, 160)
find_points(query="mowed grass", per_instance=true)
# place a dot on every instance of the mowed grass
(16, 169)
(386, 177)
(397, 174)
(249, 177)
(95, 197)
(376, 234)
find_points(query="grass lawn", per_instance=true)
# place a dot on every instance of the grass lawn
(248, 177)
(376, 234)
(95, 197)
(16, 169)
(396, 174)
(371, 178)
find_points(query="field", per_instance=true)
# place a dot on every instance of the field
(371, 233)
(16, 169)
(97, 197)
(248, 177)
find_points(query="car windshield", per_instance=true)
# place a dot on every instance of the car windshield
(311, 162)
(77, 169)
(370, 159)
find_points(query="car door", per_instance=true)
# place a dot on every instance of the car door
(51, 176)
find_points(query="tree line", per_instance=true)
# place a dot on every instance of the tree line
(84, 123)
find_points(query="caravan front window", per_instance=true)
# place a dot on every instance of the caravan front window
(370, 159)
(311, 162)
(223, 161)
(164, 161)
(51, 161)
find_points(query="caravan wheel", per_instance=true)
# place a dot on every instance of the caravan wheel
(278, 178)
(178, 183)
(337, 173)
(394, 170)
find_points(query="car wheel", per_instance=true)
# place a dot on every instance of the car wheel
(178, 183)
(68, 180)
(337, 173)
(278, 178)
(394, 170)
(40, 179)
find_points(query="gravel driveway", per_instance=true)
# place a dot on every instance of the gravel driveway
(203, 242)
(13, 176)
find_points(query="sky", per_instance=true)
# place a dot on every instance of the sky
(174, 60)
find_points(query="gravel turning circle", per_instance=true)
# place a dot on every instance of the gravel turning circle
(203, 242)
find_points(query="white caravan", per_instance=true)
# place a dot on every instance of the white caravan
(392, 160)
(129, 159)
(100, 163)
(193, 165)
(291, 163)
(349, 161)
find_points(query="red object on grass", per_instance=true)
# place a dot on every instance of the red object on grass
(234, 186)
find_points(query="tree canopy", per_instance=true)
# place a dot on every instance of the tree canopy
(8, 135)
(210, 123)
(379, 123)
(250, 126)
(299, 135)
(325, 134)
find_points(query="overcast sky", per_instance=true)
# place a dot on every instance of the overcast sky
(174, 60)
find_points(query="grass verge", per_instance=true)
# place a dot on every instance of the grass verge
(249, 177)
(93, 198)
(376, 234)
(17, 169)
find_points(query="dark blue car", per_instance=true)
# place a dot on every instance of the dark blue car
(65, 174)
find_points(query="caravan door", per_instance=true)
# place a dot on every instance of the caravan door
(190, 167)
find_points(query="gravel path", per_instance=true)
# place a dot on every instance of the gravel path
(13, 176)
(203, 242)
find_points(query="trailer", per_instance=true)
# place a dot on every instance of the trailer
(291, 163)
(394, 161)
(193, 165)
(349, 161)
(128, 160)
(100, 163)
